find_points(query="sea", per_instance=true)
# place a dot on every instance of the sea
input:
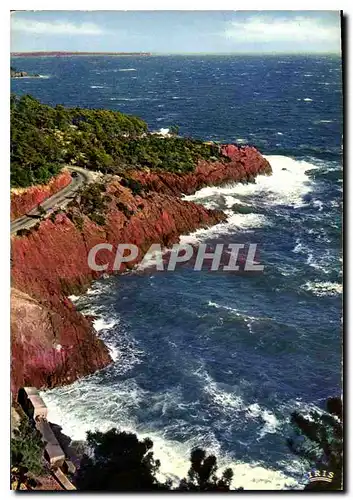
(214, 359)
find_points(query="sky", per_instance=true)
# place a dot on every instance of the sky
(177, 31)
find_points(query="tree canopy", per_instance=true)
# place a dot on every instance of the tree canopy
(120, 462)
(319, 440)
(45, 138)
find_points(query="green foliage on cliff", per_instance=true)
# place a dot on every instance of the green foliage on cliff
(27, 448)
(92, 201)
(120, 462)
(44, 138)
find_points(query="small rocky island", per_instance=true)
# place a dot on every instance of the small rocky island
(21, 74)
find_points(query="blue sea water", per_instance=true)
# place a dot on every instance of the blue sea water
(217, 359)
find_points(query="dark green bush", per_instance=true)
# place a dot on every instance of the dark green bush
(27, 447)
(135, 186)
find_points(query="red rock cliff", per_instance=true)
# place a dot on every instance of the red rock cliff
(52, 343)
(246, 163)
(24, 200)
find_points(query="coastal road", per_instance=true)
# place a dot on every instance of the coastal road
(58, 200)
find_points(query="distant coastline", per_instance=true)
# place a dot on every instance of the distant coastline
(63, 54)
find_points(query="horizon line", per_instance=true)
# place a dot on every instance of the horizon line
(78, 52)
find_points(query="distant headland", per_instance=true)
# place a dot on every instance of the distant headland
(14, 73)
(63, 54)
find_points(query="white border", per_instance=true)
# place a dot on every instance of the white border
(5, 7)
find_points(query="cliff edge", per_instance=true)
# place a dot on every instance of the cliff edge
(52, 343)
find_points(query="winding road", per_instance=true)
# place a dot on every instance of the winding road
(59, 199)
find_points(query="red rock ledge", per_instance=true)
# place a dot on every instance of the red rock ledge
(53, 344)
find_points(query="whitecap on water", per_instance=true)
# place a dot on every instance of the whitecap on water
(287, 185)
(234, 222)
(73, 298)
(319, 204)
(323, 288)
(88, 405)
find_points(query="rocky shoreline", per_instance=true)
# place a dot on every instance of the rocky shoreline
(14, 73)
(52, 343)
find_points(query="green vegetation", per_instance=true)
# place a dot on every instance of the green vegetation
(121, 462)
(45, 138)
(92, 201)
(202, 475)
(27, 448)
(135, 186)
(319, 441)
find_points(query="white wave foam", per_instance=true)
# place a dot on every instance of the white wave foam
(234, 222)
(323, 288)
(317, 263)
(249, 320)
(127, 69)
(230, 201)
(288, 184)
(79, 408)
(97, 86)
(235, 311)
(163, 131)
(270, 420)
(100, 324)
(307, 99)
(73, 298)
(299, 247)
(319, 204)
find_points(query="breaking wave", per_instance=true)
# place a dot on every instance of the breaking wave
(78, 409)
(287, 185)
(323, 288)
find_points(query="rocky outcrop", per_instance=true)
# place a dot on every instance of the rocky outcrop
(244, 165)
(24, 200)
(21, 74)
(52, 343)
(50, 346)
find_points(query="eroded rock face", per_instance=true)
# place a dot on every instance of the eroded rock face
(49, 348)
(53, 344)
(51, 263)
(24, 200)
(246, 163)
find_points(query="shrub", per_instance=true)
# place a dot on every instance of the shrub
(27, 448)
